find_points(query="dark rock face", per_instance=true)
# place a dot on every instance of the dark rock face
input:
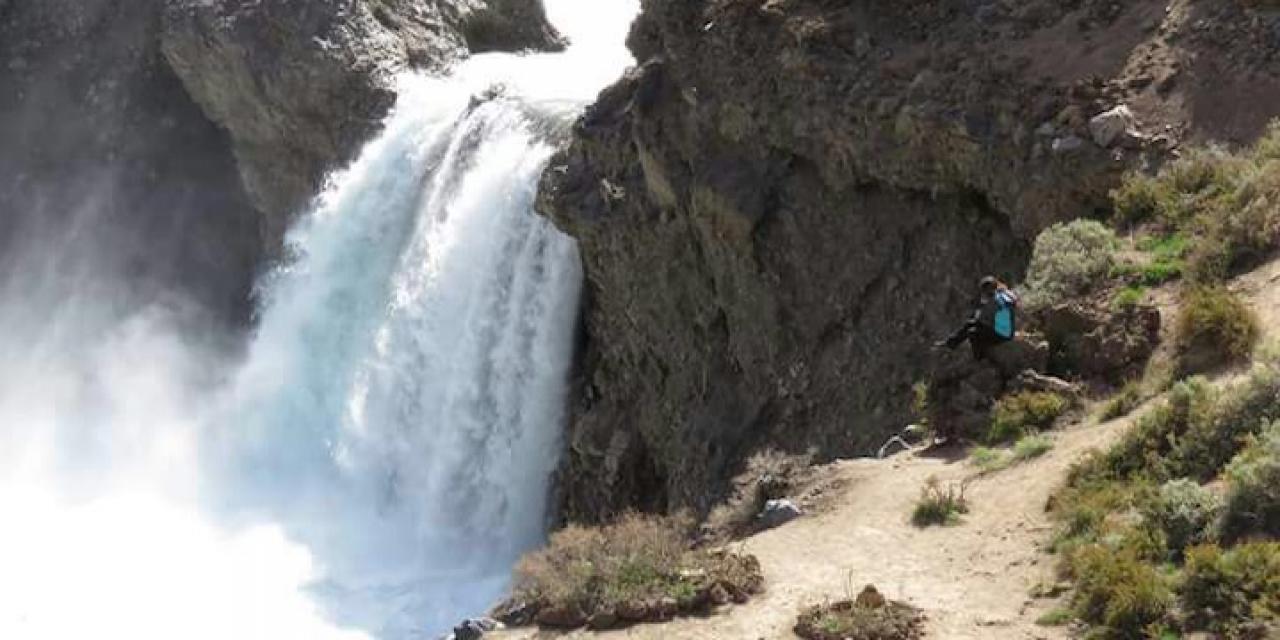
(301, 84)
(788, 200)
(108, 170)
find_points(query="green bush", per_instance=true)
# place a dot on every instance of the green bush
(1225, 201)
(1069, 259)
(939, 505)
(1128, 298)
(1024, 413)
(1224, 591)
(1184, 512)
(1119, 592)
(1214, 328)
(1056, 618)
(1253, 495)
(1198, 429)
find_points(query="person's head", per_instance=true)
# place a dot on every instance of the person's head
(988, 285)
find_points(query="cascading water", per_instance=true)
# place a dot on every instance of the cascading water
(382, 456)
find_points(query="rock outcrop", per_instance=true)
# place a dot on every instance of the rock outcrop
(300, 85)
(788, 200)
(182, 133)
(108, 170)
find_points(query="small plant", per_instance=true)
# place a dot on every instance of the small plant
(1025, 412)
(1069, 259)
(940, 505)
(988, 460)
(1032, 446)
(1128, 298)
(1214, 328)
(1183, 511)
(1123, 402)
(1056, 618)
(1224, 591)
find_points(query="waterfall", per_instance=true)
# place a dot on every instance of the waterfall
(381, 455)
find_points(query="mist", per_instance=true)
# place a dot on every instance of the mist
(372, 453)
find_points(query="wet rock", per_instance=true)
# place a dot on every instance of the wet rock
(300, 86)
(474, 629)
(1107, 127)
(777, 513)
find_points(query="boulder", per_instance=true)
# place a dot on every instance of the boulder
(561, 617)
(1091, 340)
(1108, 127)
(870, 598)
(777, 513)
(474, 629)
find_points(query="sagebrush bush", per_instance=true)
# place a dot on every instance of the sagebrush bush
(638, 559)
(1118, 591)
(1032, 446)
(1253, 495)
(1214, 328)
(939, 504)
(1184, 511)
(1069, 259)
(1197, 430)
(1225, 201)
(1023, 413)
(1223, 591)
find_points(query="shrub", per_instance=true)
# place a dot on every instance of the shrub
(1069, 259)
(1116, 590)
(1198, 429)
(939, 505)
(1214, 328)
(769, 475)
(988, 460)
(1183, 511)
(1222, 592)
(1225, 201)
(1019, 414)
(849, 620)
(1123, 402)
(1253, 494)
(636, 561)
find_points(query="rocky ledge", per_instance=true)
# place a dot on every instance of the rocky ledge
(787, 201)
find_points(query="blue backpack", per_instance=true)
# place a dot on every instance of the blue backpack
(1006, 305)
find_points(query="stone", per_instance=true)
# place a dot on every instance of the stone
(1107, 127)
(870, 598)
(515, 613)
(602, 620)
(1090, 339)
(1067, 144)
(561, 617)
(777, 513)
(474, 629)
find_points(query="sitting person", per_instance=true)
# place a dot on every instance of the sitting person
(993, 321)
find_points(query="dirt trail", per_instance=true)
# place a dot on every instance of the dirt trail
(972, 579)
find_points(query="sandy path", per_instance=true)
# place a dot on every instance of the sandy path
(972, 579)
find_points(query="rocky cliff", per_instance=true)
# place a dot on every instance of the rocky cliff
(181, 134)
(787, 201)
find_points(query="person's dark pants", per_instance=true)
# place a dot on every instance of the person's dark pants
(979, 336)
